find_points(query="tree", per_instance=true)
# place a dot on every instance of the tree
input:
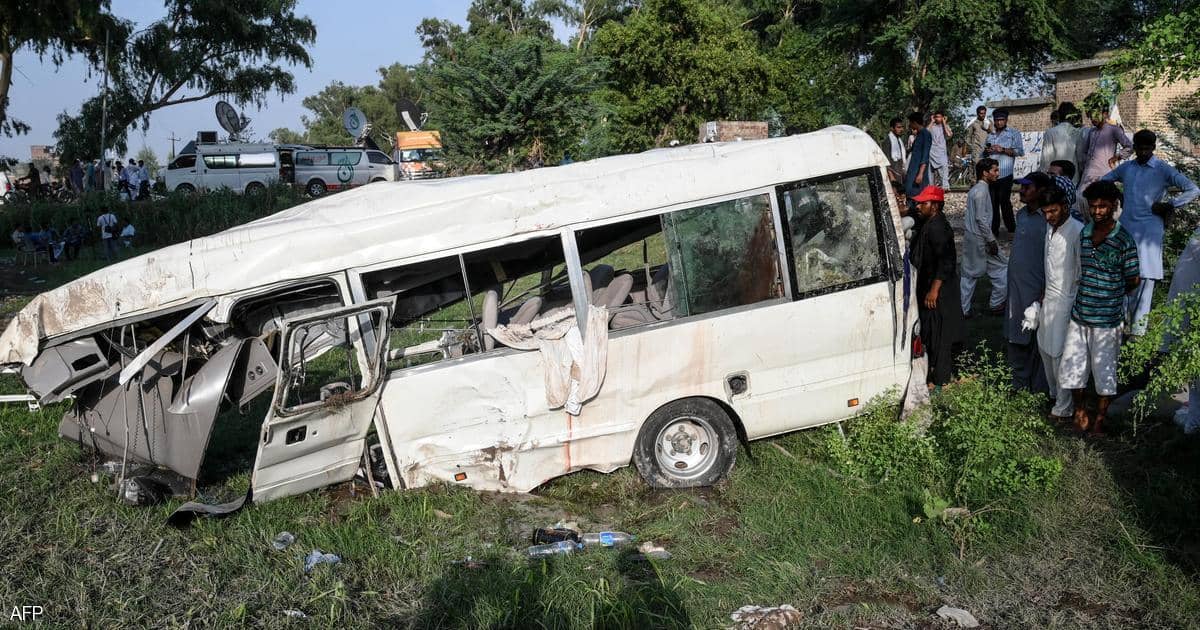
(674, 64)
(283, 135)
(147, 155)
(57, 29)
(501, 105)
(1167, 52)
(588, 15)
(324, 126)
(201, 49)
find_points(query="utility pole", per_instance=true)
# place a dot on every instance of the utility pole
(172, 138)
(104, 117)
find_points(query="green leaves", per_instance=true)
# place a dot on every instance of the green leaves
(200, 49)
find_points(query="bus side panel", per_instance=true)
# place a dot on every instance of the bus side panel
(487, 418)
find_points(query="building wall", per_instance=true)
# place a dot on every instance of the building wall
(1139, 109)
(1030, 117)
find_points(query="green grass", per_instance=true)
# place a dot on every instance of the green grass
(1114, 546)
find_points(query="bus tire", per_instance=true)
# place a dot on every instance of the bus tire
(315, 188)
(186, 189)
(255, 188)
(378, 179)
(686, 443)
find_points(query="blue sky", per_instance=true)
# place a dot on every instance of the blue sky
(353, 40)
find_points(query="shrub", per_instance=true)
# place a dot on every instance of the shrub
(878, 447)
(1170, 349)
(989, 437)
(984, 443)
(175, 218)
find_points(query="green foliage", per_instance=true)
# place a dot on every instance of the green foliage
(174, 219)
(57, 29)
(878, 447)
(147, 155)
(1170, 349)
(983, 444)
(1166, 52)
(989, 437)
(504, 105)
(674, 64)
(200, 49)
(323, 125)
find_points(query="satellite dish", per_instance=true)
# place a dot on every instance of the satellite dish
(353, 119)
(411, 114)
(230, 120)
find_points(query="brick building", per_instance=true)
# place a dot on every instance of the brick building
(1027, 114)
(1074, 80)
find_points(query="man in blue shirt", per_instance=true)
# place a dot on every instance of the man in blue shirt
(917, 177)
(1004, 145)
(1145, 181)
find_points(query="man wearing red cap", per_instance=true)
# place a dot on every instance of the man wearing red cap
(935, 259)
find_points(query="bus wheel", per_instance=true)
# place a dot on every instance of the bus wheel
(315, 188)
(255, 188)
(186, 189)
(686, 443)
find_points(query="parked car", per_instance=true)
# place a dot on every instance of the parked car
(683, 300)
(240, 167)
(323, 170)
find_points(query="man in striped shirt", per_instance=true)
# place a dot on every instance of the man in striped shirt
(1108, 261)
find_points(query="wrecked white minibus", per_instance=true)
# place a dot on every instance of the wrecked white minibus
(665, 307)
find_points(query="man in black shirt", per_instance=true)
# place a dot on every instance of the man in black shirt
(936, 263)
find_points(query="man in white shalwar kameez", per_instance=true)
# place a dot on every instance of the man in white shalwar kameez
(1062, 282)
(981, 251)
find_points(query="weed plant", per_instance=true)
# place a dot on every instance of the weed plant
(983, 450)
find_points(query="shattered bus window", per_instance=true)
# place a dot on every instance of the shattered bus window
(723, 255)
(832, 228)
(323, 365)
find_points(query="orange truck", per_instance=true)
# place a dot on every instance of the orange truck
(419, 154)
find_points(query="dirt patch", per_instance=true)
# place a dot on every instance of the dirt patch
(1070, 600)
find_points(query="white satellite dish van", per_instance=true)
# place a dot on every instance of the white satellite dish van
(240, 167)
(708, 295)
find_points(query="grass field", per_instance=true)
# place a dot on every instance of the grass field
(1116, 544)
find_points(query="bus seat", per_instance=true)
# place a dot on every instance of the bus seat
(527, 311)
(615, 293)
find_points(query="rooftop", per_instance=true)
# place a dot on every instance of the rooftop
(1032, 101)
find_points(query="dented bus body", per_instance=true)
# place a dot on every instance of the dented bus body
(749, 289)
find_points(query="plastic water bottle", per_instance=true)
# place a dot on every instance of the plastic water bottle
(607, 539)
(560, 548)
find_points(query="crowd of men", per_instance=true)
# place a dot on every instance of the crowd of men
(1080, 274)
(132, 181)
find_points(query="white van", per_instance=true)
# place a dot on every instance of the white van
(323, 170)
(498, 331)
(240, 167)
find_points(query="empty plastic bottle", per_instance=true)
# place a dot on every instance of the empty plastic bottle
(560, 548)
(606, 539)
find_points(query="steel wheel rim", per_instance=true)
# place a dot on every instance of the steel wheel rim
(686, 448)
(315, 189)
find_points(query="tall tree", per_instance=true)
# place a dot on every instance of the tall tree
(588, 15)
(324, 125)
(676, 63)
(147, 155)
(201, 49)
(54, 29)
(283, 135)
(502, 105)
(1167, 52)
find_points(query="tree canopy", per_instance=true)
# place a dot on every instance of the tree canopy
(201, 49)
(55, 29)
